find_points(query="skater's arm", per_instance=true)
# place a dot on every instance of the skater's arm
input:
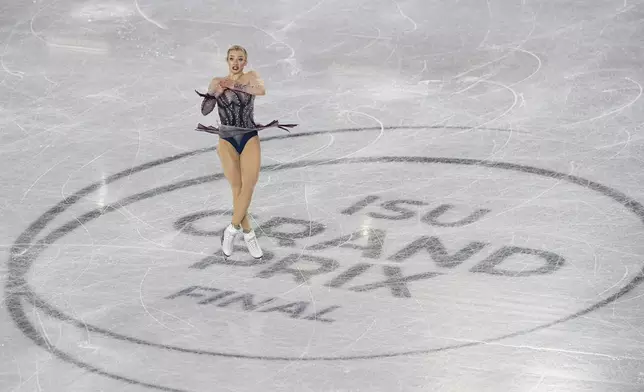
(214, 87)
(253, 84)
(209, 101)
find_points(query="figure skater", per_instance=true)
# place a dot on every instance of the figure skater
(238, 147)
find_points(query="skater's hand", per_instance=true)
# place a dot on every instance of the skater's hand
(215, 88)
(226, 83)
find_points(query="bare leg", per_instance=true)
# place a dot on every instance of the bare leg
(232, 171)
(250, 162)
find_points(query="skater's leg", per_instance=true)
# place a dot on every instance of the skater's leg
(250, 166)
(230, 162)
(250, 162)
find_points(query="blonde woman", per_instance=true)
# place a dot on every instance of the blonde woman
(238, 148)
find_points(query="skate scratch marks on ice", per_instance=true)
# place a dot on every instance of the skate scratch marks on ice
(487, 34)
(539, 65)
(123, 210)
(41, 176)
(629, 139)
(158, 310)
(138, 9)
(316, 151)
(422, 70)
(374, 40)
(378, 37)
(526, 202)
(288, 25)
(619, 109)
(380, 135)
(69, 176)
(406, 17)
(517, 47)
(624, 277)
(18, 74)
(625, 144)
(79, 48)
(514, 104)
(289, 60)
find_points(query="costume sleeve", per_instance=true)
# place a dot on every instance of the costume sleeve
(208, 104)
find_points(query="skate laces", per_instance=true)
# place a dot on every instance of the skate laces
(251, 241)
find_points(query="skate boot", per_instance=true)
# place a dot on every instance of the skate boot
(228, 239)
(253, 245)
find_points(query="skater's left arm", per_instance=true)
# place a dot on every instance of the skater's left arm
(253, 84)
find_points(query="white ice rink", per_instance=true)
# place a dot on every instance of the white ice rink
(457, 211)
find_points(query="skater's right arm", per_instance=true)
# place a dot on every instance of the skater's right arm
(209, 102)
(214, 88)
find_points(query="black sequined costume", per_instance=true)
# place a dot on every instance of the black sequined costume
(236, 113)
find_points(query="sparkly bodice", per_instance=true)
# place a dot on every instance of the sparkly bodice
(236, 108)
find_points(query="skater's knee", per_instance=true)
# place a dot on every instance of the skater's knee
(235, 192)
(247, 188)
(236, 185)
(249, 180)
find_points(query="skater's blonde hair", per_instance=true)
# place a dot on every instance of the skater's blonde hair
(237, 48)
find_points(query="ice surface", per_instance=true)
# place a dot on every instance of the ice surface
(458, 209)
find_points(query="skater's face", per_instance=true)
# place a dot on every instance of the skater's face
(236, 61)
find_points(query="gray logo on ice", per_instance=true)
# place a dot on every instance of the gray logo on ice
(364, 244)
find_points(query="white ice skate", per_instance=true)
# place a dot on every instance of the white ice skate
(228, 239)
(253, 245)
